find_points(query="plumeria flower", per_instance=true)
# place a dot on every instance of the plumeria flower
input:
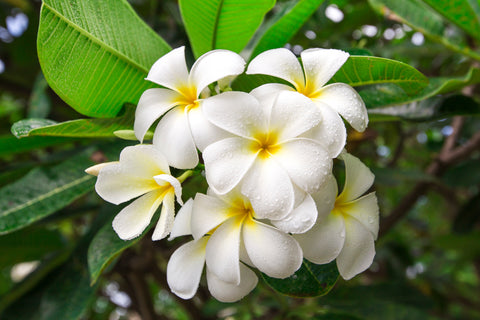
(347, 225)
(309, 78)
(266, 155)
(185, 267)
(237, 235)
(182, 128)
(141, 172)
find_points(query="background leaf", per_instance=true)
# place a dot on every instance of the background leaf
(96, 54)
(222, 24)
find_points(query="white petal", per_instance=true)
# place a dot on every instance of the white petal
(213, 66)
(365, 210)
(228, 292)
(358, 251)
(280, 63)
(181, 225)
(330, 132)
(144, 160)
(152, 105)
(165, 222)
(208, 213)
(272, 251)
(347, 102)
(166, 180)
(170, 70)
(293, 114)
(307, 162)
(223, 248)
(321, 64)
(95, 170)
(185, 267)
(226, 162)
(236, 112)
(174, 139)
(269, 90)
(325, 197)
(301, 219)
(134, 218)
(324, 241)
(269, 189)
(358, 178)
(203, 131)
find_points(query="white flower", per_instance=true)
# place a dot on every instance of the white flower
(237, 235)
(184, 269)
(142, 171)
(319, 65)
(347, 225)
(266, 155)
(182, 128)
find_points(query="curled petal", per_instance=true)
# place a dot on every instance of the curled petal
(324, 241)
(280, 63)
(358, 250)
(168, 180)
(301, 219)
(185, 267)
(226, 163)
(228, 292)
(365, 210)
(203, 131)
(347, 102)
(165, 222)
(95, 170)
(170, 70)
(213, 66)
(208, 213)
(182, 224)
(134, 218)
(174, 139)
(358, 178)
(321, 64)
(152, 105)
(272, 251)
(223, 249)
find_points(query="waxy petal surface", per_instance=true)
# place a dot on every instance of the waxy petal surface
(208, 213)
(300, 219)
(228, 292)
(320, 65)
(170, 70)
(365, 210)
(182, 224)
(203, 131)
(358, 178)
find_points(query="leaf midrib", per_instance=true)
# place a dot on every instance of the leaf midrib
(215, 25)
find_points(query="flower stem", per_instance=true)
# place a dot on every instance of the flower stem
(185, 175)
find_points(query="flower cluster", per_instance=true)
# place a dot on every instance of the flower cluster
(268, 156)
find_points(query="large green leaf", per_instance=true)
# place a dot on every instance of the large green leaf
(9, 144)
(285, 24)
(311, 280)
(460, 12)
(75, 128)
(96, 54)
(222, 24)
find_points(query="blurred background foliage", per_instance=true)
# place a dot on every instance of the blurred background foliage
(428, 255)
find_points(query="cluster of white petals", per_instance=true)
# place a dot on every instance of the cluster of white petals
(268, 156)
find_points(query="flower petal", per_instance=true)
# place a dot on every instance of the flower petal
(269, 189)
(358, 250)
(269, 90)
(152, 105)
(208, 213)
(330, 132)
(321, 64)
(213, 66)
(325, 197)
(347, 102)
(324, 241)
(185, 267)
(236, 112)
(358, 178)
(203, 131)
(292, 114)
(165, 222)
(170, 70)
(223, 248)
(134, 218)
(365, 210)
(301, 219)
(226, 162)
(307, 162)
(280, 63)
(272, 251)
(182, 223)
(174, 139)
(228, 292)
(168, 180)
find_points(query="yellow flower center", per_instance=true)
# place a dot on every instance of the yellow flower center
(189, 97)
(266, 144)
(309, 90)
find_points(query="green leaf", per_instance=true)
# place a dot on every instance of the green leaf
(222, 24)
(460, 12)
(285, 24)
(86, 128)
(96, 54)
(362, 70)
(10, 145)
(311, 280)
